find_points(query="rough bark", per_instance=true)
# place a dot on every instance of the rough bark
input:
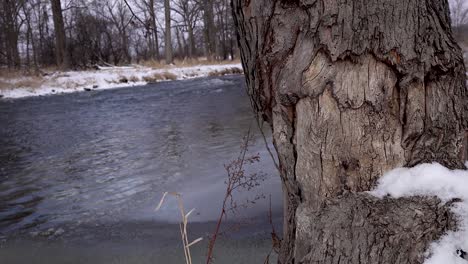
(11, 29)
(167, 36)
(60, 36)
(374, 229)
(209, 29)
(352, 89)
(154, 28)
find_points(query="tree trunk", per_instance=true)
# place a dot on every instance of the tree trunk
(209, 29)
(180, 48)
(168, 38)
(154, 29)
(11, 33)
(353, 89)
(191, 38)
(60, 37)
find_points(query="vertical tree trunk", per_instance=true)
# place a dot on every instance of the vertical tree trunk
(168, 38)
(191, 39)
(30, 38)
(353, 89)
(125, 46)
(184, 44)
(60, 36)
(209, 29)
(11, 32)
(180, 48)
(154, 28)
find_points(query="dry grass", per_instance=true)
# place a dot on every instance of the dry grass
(153, 64)
(31, 82)
(164, 76)
(13, 79)
(233, 70)
(4, 85)
(183, 225)
(133, 79)
(12, 74)
(185, 63)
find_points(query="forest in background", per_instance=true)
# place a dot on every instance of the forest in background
(79, 34)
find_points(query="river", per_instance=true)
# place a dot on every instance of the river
(81, 174)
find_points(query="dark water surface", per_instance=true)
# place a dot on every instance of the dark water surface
(93, 165)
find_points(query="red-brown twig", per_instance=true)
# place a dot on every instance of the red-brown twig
(237, 179)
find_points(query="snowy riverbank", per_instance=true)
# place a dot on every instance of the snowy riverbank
(105, 78)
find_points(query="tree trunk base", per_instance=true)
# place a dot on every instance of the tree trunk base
(359, 228)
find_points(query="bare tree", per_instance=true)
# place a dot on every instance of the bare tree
(352, 89)
(10, 25)
(209, 29)
(190, 12)
(61, 51)
(168, 36)
(30, 40)
(120, 17)
(149, 23)
(154, 28)
(459, 12)
(81, 33)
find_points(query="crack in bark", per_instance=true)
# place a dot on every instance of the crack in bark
(373, 79)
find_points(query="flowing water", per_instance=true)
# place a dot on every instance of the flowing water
(81, 174)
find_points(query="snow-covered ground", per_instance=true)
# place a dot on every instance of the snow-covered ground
(434, 180)
(104, 78)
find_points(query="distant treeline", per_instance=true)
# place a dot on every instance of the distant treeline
(83, 33)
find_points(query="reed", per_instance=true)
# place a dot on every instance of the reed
(183, 224)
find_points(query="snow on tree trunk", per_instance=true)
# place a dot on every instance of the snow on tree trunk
(352, 89)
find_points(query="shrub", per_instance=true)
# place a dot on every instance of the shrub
(233, 70)
(123, 79)
(164, 76)
(134, 79)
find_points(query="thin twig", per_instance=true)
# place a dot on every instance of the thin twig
(260, 127)
(236, 179)
(133, 13)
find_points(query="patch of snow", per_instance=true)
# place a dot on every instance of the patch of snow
(434, 180)
(104, 78)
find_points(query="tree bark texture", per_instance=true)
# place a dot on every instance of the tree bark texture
(352, 89)
(168, 35)
(154, 29)
(210, 29)
(60, 36)
(10, 28)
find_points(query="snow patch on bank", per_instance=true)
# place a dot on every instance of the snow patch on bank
(434, 180)
(104, 78)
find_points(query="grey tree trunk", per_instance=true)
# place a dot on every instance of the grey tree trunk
(209, 29)
(10, 27)
(167, 37)
(191, 38)
(352, 89)
(154, 29)
(60, 37)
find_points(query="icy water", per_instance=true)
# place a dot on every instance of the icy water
(81, 174)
